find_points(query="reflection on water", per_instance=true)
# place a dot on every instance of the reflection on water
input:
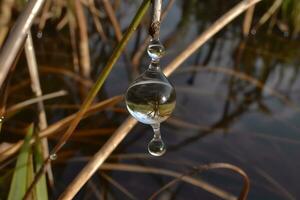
(237, 102)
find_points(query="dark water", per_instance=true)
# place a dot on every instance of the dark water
(237, 102)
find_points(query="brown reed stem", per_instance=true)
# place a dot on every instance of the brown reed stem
(112, 17)
(36, 88)
(17, 36)
(85, 62)
(248, 21)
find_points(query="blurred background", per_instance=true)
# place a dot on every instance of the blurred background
(237, 97)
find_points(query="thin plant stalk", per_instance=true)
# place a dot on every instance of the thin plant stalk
(66, 73)
(85, 62)
(118, 186)
(93, 92)
(5, 16)
(140, 51)
(99, 158)
(97, 21)
(267, 15)
(248, 21)
(44, 16)
(112, 17)
(36, 88)
(160, 171)
(245, 190)
(17, 37)
(11, 110)
(72, 27)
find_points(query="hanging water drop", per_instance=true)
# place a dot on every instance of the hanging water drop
(156, 146)
(53, 156)
(151, 98)
(156, 50)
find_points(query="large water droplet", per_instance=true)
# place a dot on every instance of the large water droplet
(156, 50)
(156, 147)
(151, 101)
(53, 156)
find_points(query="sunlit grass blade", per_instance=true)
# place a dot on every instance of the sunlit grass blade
(41, 186)
(19, 181)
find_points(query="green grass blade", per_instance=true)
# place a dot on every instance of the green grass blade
(19, 181)
(30, 175)
(41, 186)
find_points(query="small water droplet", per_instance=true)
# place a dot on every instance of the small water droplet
(253, 32)
(156, 50)
(1, 119)
(53, 156)
(156, 147)
(39, 34)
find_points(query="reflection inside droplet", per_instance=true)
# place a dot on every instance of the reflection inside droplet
(156, 50)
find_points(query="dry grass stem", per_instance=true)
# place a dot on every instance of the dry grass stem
(248, 21)
(44, 15)
(5, 16)
(112, 17)
(276, 184)
(66, 73)
(99, 157)
(246, 186)
(16, 38)
(97, 21)
(160, 171)
(73, 41)
(267, 15)
(11, 110)
(118, 186)
(36, 88)
(85, 62)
